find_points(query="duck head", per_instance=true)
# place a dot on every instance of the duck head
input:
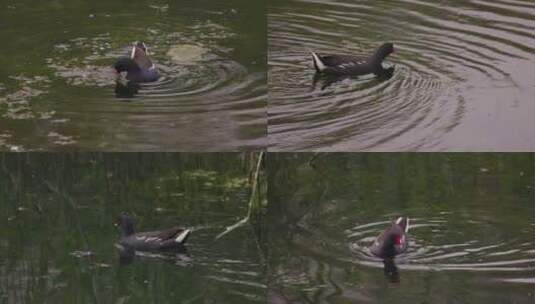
(125, 223)
(382, 52)
(125, 65)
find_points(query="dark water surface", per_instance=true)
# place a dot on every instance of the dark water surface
(58, 92)
(463, 76)
(57, 235)
(471, 236)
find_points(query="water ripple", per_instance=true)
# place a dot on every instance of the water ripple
(445, 54)
(205, 99)
(477, 251)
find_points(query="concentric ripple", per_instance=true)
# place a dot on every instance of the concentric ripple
(449, 253)
(437, 244)
(457, 65)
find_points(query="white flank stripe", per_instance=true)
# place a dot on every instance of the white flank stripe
(133, 52)
(150, 239)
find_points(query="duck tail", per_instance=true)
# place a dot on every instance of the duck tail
(403, 222)
(133, 52)
(182, 237)
(318, 64)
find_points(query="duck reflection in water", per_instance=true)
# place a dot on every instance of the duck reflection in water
(327, 80)
(126, 256)
(391, 242)
(126, 90)
(391, 270)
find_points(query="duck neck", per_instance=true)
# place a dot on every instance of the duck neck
(128, 228)
(377, 59)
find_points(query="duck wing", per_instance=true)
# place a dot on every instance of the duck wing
(174, 234)
(140, 57)
(377, 247)
(342, 65)
(336, 60)
(164, 235)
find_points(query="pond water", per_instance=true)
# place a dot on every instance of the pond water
(462, 80)
(57, 230)
(58, 91)
(470, 238)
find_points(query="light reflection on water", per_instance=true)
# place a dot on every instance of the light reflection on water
(461, 79)
(58, 90)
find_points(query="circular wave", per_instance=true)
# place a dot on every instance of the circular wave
(438, 243)
(205, 99)
(442, 52)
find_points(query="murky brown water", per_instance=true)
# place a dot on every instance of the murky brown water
(462, 81)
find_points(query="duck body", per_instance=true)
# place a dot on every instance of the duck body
(353, 65)
(392, 241)
(172, 239)
(138, 67)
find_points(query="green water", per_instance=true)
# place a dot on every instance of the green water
(57, 235)
(58, 90)
(470, 241)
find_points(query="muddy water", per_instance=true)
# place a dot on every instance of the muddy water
(462, 80)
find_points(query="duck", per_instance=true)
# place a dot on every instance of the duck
(392, 241)
(352, 65)
(138, 67)
(171, 239)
